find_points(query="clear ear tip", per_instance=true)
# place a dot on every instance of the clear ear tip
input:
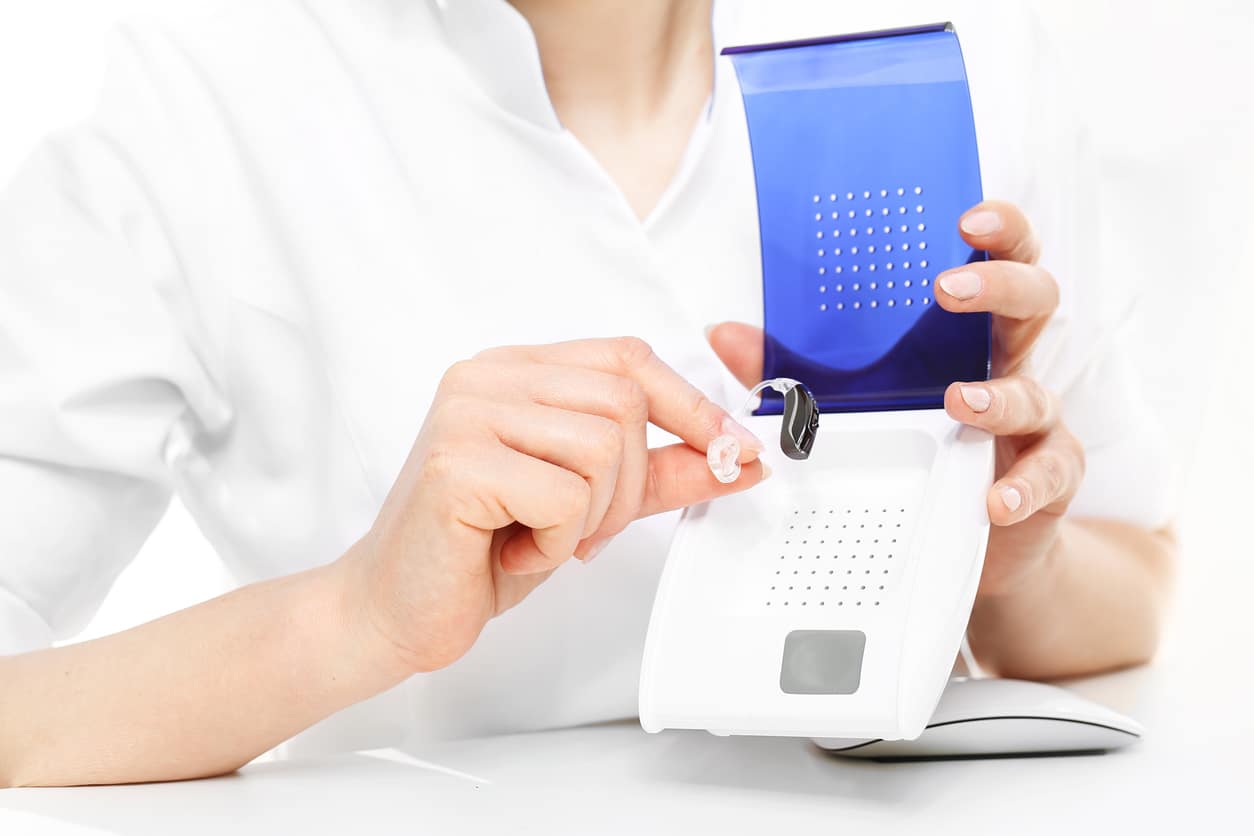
(723, 457)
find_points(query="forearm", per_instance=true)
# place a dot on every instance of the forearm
(200, 692)
(1096, 602)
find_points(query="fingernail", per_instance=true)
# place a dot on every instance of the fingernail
(709, 329)
(1011, 498)
(964, 285)
(976, 397)
(766, 472)
(594, 550)
(748, 441)
(984, 222)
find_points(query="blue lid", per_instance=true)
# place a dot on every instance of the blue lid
(865, 157)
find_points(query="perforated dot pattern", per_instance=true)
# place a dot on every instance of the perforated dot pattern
(846, 557)
(891, 227)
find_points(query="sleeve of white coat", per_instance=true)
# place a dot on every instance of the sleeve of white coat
(96, 366)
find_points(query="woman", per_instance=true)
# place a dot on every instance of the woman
(269, 274)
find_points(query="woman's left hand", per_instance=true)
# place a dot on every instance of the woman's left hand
(1039, 462)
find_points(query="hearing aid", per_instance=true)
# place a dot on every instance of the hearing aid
(796, 435)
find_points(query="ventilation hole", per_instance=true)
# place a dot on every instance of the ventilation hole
(818, 234)
(919, 209)
(901, 192)
(817, 199)
(819, 217)
(866, 195)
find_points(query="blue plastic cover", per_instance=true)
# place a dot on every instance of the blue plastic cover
(865, 157)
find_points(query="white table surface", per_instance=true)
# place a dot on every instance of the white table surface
(1192, 774)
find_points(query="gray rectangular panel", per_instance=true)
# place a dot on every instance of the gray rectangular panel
(822, 662)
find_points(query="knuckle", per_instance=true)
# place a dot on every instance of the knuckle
(1051, 469)
(1074, 449)
(440, 464)
(1052, 291)
(574, 497)
(493, 353)
(1027, 249)
(628, 400)
(458, 376)
(607, 442)
(632, 351)
(454, 410)
(1039, 400)
(708, 414)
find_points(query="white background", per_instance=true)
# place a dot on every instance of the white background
(1163, 87)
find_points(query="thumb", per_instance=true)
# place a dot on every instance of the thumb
(739, 346)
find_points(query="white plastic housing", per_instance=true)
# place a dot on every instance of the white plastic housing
(881, 531)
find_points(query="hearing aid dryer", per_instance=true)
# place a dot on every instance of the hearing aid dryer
(830, 601)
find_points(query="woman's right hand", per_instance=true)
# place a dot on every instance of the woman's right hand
(529, 456)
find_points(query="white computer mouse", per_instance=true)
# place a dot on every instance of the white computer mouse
(983, 718)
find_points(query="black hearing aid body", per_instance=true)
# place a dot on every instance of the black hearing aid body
(801, 423)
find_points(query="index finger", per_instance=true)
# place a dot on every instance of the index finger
(1003, 230)
(675, 405)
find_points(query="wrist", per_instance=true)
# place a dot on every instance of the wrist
(1019, 600)
(356, 616)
